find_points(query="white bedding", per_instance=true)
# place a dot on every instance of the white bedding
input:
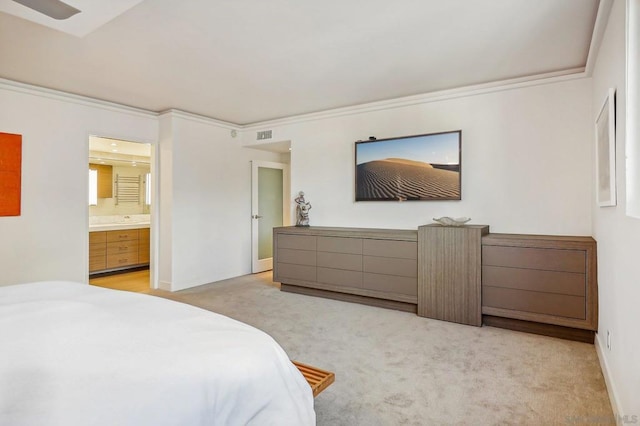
(73, 354)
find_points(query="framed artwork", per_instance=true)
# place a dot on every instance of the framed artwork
(409, 168)
(606, 152)
(10, 174)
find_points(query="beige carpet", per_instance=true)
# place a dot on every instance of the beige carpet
(395, 368)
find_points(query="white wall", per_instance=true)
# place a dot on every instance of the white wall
(618, 239)
(526, 160)
(49, 241)
(210, 186)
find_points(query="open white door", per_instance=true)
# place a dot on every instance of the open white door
(269, 208)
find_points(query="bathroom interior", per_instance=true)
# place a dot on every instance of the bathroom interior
(119, 213)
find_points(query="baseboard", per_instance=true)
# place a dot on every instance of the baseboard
(608, 380)
(164, 285)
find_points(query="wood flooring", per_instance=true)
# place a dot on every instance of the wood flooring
(137, 281)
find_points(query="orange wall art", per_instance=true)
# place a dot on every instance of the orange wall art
(10, 174)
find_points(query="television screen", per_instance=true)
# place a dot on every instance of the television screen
(409, 168)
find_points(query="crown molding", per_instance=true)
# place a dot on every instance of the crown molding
(59, 95)
(599, 27)
(200, 119)
(438, 96)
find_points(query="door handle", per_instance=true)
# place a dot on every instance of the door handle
(255, 216)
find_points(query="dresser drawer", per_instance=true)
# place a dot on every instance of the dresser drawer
(560, 305)
(298, 257)
(390, 266)
(387, 248)
(570, 283)
(296, 272)
(351, 262)
(120, 260)
(535, 258)
(300, 242)
(122, 247)
(390, 284)
(340, 245)
(124, 235)
(340, 277)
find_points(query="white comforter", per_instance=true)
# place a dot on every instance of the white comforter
(73, 354)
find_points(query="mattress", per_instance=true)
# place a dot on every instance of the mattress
(74, 354)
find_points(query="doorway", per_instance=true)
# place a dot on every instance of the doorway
(269, 209)
(120, 211)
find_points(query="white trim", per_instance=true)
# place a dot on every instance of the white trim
(478, 89)
(608, 380)
(602, 18)
(201, 119)
(59, 95)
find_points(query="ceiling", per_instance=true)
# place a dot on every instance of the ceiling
(247, 61)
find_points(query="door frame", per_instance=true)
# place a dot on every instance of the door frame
(258, 265)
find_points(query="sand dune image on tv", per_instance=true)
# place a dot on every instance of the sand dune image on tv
(410, 168)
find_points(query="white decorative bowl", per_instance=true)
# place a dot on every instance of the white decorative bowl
(450, 221)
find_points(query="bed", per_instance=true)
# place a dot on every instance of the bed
(74, 354)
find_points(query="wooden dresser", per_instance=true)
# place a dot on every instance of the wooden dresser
(116, 250)
(371, 266)
(540, 279)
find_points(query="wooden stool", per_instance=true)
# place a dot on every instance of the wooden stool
(318, 379)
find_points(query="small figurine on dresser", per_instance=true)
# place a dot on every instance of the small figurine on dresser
(302, 210)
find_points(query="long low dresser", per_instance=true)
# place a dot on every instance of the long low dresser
(371, 266)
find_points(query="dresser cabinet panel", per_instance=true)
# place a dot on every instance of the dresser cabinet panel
(340, 245)
(144, 245)
(387, 272)
(400, 285)
(535, 258)
(569, 283)
(351, 262)
(340, 277)
(386, 248)
(540, 278)
(390, 266)
(298, 257)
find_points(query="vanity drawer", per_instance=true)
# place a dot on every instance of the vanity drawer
(123, 235)
(97, 262)
(120, 260)
(122, 247)
(99, 237)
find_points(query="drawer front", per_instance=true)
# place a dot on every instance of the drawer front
(530, 301)
(570, 283)
(535, 258)
(97, 237)
(351, 262)
(340, 245)
(124, 235)
(296, 272)
(298, 257)
(143, 253)
(390, 266)
(144, 233)
(122, 247)
(97, 263)
(390, 284)
(97, 249)
(119, 260)
(299, 242)
(340, 277)
(389, 248)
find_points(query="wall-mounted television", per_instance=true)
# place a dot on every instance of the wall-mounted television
(409, 168)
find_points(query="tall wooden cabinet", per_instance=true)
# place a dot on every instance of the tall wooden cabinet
(449, 273)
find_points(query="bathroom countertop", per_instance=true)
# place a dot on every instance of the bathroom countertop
(117, 226)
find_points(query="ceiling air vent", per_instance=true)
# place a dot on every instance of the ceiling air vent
(265, 134)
